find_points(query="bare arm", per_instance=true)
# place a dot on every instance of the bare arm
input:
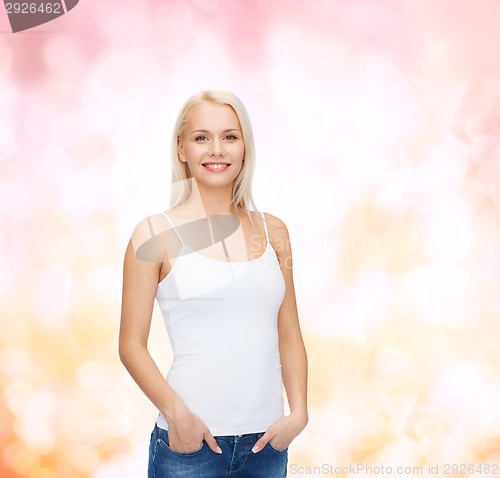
(140, 281)
(291, 346)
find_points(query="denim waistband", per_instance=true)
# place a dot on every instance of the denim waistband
(245, 436)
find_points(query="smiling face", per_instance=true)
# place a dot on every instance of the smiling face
(212, 144)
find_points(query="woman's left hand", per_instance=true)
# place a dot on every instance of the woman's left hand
(282, 432)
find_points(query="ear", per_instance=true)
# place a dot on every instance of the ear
(180, 150)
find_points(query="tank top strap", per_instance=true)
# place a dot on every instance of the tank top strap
(265, 226)
(174, 228)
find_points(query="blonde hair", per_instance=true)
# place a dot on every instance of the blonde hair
(242, 187)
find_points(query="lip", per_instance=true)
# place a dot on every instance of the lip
(216, 169)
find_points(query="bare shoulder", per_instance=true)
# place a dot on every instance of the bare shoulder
(148, 238)
(275, 225)
(279, 238)
(152, 223)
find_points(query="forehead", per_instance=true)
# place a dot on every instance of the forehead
(206, 114)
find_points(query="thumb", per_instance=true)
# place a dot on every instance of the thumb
(211, 442)
(261, 442)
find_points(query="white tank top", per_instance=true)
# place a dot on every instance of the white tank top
(221, 318)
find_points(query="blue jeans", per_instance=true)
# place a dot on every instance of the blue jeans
(237, 459)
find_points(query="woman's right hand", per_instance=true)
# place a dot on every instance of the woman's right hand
(186, 431)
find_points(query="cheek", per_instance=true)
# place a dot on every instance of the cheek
(238, 152)
(192, 151)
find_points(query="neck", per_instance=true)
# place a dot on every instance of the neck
(205, 202)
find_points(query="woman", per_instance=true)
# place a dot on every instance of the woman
(222, 276)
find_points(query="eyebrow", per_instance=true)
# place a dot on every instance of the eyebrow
(206, 131)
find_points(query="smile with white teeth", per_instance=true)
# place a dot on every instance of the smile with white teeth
(216, 165)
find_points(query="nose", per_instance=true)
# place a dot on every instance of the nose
(216, 148)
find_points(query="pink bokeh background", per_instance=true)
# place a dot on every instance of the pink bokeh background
(377, 129)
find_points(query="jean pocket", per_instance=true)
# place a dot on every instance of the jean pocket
(163, 440)
(276, 449)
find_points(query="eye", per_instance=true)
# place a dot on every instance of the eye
(200, 138)
(231, 137)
